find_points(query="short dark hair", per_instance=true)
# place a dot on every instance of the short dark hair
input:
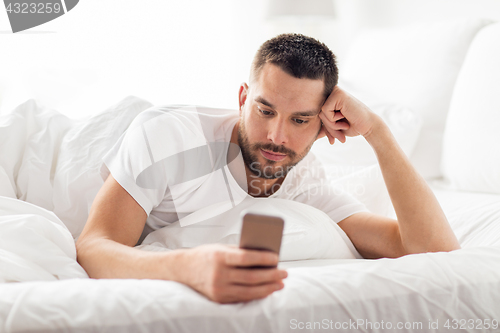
(299, 56)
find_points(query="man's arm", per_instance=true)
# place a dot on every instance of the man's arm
(115, 223)
(114, 226)
(421, 224)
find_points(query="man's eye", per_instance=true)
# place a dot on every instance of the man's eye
(265, 113)
(300, 121)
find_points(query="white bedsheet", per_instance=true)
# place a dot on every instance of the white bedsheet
(413, 289)
(409, 291)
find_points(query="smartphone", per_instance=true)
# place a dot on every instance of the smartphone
(261, 232)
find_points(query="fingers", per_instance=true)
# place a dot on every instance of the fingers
(334, 128)
(336, 115)
(336, 121)
(243, 257)
(255, 292)
(236, 293)
(341, 107)
(221, 278)
(256, 276)
(330, 137)
(335, 100)
(339, 136)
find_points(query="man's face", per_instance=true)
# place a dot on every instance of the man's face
(279, 121)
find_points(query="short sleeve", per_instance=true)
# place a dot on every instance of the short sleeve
(310, 184)
(335, 202)
(129, 157)
(137, 160)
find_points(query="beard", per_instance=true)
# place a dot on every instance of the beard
(270, 169)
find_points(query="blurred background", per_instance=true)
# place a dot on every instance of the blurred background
(188, 52)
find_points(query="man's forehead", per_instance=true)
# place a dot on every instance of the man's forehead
(282, 90)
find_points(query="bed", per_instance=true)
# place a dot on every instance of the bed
(446, 290)
(50, 172)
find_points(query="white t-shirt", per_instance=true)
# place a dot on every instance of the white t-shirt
(173, 161)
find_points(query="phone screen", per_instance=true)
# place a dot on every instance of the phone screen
(261, 232)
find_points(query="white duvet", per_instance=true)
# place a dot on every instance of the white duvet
(411, 294)
(34, 244)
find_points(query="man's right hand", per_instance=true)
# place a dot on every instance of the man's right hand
(223, 274)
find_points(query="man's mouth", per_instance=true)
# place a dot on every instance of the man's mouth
(271, 155)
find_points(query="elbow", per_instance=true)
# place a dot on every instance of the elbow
(86, 254)
(81, 247)
(81, 251)
(449, 247)
(445, 244)
(436, 247)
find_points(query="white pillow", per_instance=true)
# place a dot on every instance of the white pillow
(54, 162)
(309, 233)
(34, 244)
(78, 173)
(416, 67)
(471, 156)
(356, 154)
(6, 184)
(368, 186)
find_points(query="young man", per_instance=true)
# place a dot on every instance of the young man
(292, 100)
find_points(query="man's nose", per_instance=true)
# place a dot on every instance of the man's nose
(277, 132)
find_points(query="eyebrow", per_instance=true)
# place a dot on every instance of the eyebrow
(311, 113)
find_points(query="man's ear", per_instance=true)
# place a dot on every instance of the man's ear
(243, 94)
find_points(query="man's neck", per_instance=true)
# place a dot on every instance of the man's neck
(257, 187)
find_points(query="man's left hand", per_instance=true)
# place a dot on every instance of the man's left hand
(343, 115)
